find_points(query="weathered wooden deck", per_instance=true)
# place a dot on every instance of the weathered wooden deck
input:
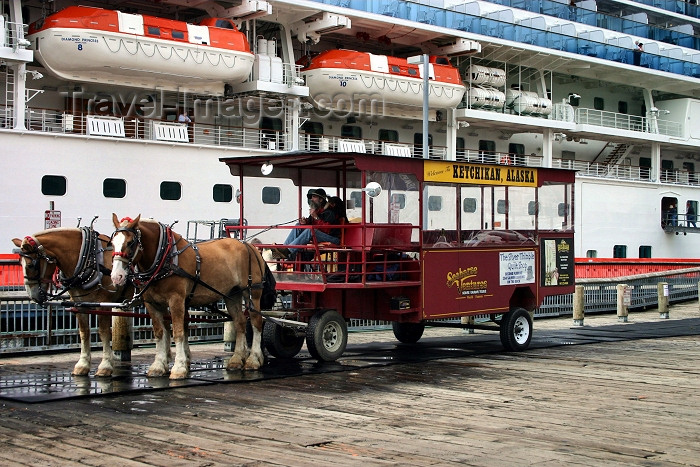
(620, 402)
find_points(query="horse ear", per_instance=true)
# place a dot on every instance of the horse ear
(17, 242)
(135, 221)
(115, 220)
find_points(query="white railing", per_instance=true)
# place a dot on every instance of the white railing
(627, 122)
(53, 121)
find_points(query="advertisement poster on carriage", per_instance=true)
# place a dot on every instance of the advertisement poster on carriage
(517, 267)
(557, 262)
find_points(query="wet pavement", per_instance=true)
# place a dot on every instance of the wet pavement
(45, 378)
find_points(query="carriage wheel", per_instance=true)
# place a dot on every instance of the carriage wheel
(280, 341)
(408, 333)
(516, 330)
(327, 336)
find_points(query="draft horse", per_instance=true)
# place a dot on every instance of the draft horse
(74, 260)
(172, 274)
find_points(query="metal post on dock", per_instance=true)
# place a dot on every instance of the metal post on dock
(122, 337)
(229, 336)
(663, 292)
(623, 302)
(470, 321)
(579, 305)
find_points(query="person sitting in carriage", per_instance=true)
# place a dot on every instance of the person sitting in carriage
(321, 215)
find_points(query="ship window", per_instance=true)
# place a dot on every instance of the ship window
(418, 140)
(434, 203)
(389, 135)
(53, 185)
(574, 101)
(222, 193)
(356, 196)
(460, 144)
(645, 251)
(592, 254)
(517, 149)
(620, 251)
(271, 195)
(598, 103)
(178, 35)
(645, 167)
(622, 107)
(412, 71)
(563, 209)
(313, 128)
(442, 61)
(502, 206)
(469, 205)
(667, 164)
(153, 31)
(532, 208)
(399, 199)
(171, 191)
(351, 131)
(223, 23)
(114, 188)
(487, 150)
(395, 69)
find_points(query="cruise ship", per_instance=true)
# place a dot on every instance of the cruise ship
(127, 106)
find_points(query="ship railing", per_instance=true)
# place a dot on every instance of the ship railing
(11, 32)
(56, 121)
(620, 121)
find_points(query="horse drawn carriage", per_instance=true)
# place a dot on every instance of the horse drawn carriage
(423, 243)
(427, 243)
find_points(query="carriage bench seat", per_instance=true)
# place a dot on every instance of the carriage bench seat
(379, 236)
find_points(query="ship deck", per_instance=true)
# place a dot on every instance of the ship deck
(607, 393)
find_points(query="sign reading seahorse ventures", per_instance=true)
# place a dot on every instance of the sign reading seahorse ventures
(461, 172)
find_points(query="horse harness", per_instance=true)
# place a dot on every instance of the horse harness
(89, 269)
(166, 264)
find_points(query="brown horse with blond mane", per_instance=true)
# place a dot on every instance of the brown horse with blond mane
(172, 274)
(77, 256)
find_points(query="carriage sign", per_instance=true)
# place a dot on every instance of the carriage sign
(52, 219)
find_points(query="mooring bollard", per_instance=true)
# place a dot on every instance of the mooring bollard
(229, 336)
(579, 306)
(122, 337)
(663, 293)
(623, 302)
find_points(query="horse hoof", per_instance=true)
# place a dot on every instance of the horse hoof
(181, 375)
(104, 372)
(234, 364)
(252, 364)
(156, 371)
(80, 371)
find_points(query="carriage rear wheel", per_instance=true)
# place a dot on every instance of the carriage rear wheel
(280, 341)
(408, 333)
(516, 330)
(327, 336)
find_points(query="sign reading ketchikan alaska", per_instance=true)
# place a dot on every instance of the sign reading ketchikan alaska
(459, 172)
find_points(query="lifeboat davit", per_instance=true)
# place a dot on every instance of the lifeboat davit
(88, 44)
(349, 80)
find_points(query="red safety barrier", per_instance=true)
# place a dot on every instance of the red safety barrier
(10, 271)
(618, 267)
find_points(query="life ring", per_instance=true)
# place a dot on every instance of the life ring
(505, 159)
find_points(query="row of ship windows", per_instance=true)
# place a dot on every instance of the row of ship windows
(620, 251)
(55, 185)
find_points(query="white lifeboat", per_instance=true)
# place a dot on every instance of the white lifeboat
(359, 81)
(88, 44)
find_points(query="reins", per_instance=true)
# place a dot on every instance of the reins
(165, 264)
(88, 272)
